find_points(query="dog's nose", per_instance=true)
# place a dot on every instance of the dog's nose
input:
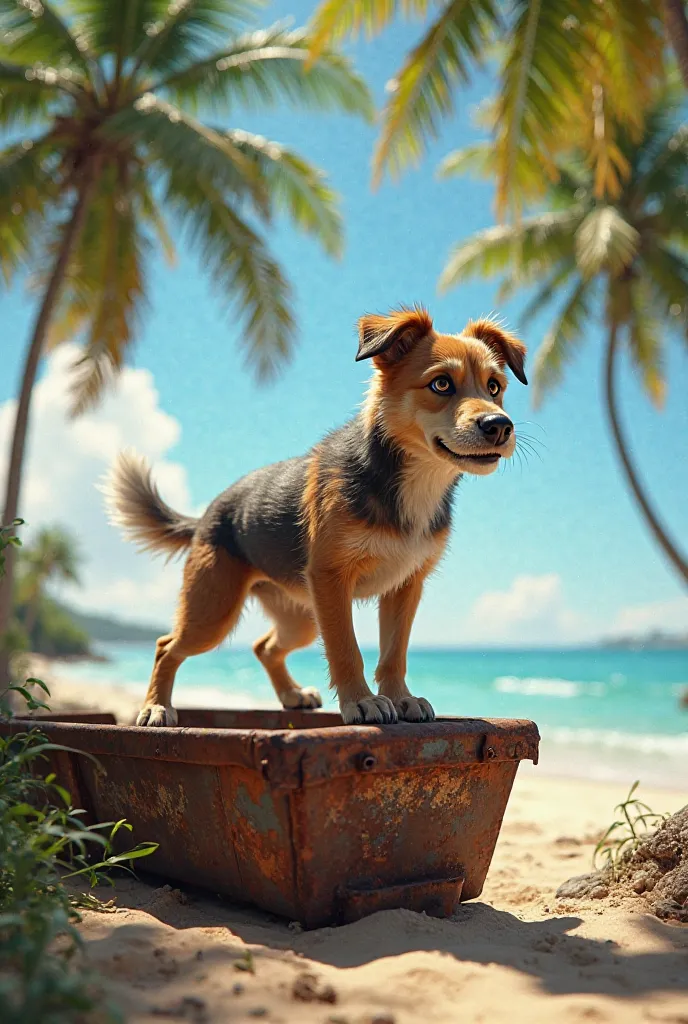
(496, 427)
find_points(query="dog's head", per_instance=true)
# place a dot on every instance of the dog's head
(441, 396)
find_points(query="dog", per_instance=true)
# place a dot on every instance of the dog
(365, 514)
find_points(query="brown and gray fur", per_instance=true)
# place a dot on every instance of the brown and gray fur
(366, 513)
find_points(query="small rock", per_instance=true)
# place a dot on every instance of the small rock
(580, 886)
(237, 989)
(382, 1018)
(257, 1011)
(671, 910)
(308, 989)
(600, 892)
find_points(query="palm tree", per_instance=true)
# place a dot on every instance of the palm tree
(104, 95)
(53, 557)
(625, 262)
(559, 62)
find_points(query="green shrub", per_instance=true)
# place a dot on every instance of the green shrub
(54, 632)
(43, 842)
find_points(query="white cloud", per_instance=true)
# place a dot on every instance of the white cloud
(668, 616)
(65, 461)
(532, 610)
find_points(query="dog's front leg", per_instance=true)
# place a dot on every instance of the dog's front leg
(397, 612)
(332, 595)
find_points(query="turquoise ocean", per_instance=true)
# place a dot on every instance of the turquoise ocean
(610, 715)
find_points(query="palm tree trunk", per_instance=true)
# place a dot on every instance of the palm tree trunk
(676, 22)
(659, 533)
(33, 356)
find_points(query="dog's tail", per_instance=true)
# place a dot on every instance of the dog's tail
(134, 505)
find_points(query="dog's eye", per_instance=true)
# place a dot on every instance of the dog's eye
(494, 387)
(442, 386)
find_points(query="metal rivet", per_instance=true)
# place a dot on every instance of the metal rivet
(366, 762)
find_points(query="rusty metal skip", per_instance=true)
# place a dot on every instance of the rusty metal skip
(297, 814)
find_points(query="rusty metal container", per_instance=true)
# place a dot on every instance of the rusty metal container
(299, 815)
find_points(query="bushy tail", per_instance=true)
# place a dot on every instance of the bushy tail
(134, 505)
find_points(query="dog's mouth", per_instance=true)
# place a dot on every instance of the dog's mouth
(486, 459)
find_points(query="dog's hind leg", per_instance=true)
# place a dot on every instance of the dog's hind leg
(294, 627)
(213, 594)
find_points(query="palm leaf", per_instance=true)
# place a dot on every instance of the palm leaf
(630, 41)
(605, 241)
(334, 20)
(645, 343)
(176, 140)
(546, 291)
(481, 161)
(27, 93)
(562, 340)
(27, 188)
(423, 91)
(525, 249)
(541, 63)
(262, 68)
(105, 287)
(35, 33)
(667, 270)
(117, 27)
(241, 267)
(295, 186)
(187, 28)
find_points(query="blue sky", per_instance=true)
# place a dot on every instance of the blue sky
(560, 534)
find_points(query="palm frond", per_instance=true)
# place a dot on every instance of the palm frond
(629, 39)
(32, 31)
(546, 292)
(104, 292)
(561, 341)
(524, 249)
(117, 28)
(605, 241)
(481, 161)
(667, 270)
(645, 343)
(28, 93)
(296, 187)
(27, 189)
(176, 140)
(334, 20)
(268, 66)
(243, 270)
(423, 92)
(541, 63)
(188, 27)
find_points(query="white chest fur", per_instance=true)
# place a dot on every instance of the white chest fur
(397, 557)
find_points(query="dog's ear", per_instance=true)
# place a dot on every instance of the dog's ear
(391, 337)
(508, 349)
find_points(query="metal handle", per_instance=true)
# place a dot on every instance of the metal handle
(438, 897)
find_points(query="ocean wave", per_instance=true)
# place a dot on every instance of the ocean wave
(611, 739)
(544, 687)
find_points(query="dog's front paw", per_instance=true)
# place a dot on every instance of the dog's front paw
(157, 715)
(414, 709)
(368, 711)
(306, 697)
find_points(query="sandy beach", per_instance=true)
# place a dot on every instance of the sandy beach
(517, 954)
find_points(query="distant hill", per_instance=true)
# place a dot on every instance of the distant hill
(106, 630)
(656, 641)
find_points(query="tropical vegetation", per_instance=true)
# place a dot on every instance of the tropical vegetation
(620, 263)
(46, 853)
(100, 103)
(571, 72)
